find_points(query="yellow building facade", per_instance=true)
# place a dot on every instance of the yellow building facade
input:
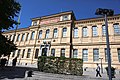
(62, 35)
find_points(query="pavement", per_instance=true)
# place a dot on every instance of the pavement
(20, 73)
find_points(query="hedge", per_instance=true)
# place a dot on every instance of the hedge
(61, 65)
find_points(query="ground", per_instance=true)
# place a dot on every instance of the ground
(20, 73)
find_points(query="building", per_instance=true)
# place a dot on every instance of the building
(62, 35)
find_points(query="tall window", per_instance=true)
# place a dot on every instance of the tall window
(23, 53)
(106, 58)
(64, 32)
(85, 54)
(13, 55)
(40, 34)
(62, 52)
(103, 30)
(94, 31)
(13, 38)
(52, 52)
(36, 53)
(18, 54)
(116, 28)
(84, 32)
(10, 37)
(28, 53)
(27, 36)
(18, 37)
(75, 53)
(55, 33)
(95, 54)
(75, 32)
(23, 36)
(47, 33)
(32, 35)
(118, 54)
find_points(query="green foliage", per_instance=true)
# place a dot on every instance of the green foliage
(60, 65)
(6, 46)
(8, 11)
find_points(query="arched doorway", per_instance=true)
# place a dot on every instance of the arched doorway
(44, 51)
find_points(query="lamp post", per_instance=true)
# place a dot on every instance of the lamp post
(101, 65)
(105, 13)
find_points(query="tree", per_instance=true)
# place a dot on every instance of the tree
(9, 9)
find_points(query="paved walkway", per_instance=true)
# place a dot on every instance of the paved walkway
(20, 73)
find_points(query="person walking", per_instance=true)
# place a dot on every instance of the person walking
(98, 71)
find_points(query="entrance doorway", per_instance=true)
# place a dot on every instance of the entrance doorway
(44, 52)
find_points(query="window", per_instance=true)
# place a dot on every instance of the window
(116, 28)
(55, 33)
(23, 36)
(40, 34)
(118, 54)
(106, 58)
(18, 54)
(10, 37)
(65, 17)
(94, 31)
(28, 53)
(32, 35)
(13, 38)
(23, 53)
(53, 52)
(64, 32)
(47, 33)
(35, 23)
(18, 37)
(75, 32)
(13, 55)
(36, 53)
(85, 54)
(62, 52)
(75, 53)
(84, 32)
(27, 36)
(95, 54)
(103, 30)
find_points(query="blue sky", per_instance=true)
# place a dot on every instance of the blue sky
(81, 8)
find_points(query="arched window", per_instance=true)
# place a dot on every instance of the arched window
(116, 28)
(55, 33)
(84, 32)
(32, 35)
(64, 32)
(47, 33)
(75, 53)
(18, 37)
(94, 31)
(36, 53)
(75, 32)
(103, 30)
(62, 52)
(27, 36)
(40, 34)
(23, 36)
(52, 52)
(28, 53)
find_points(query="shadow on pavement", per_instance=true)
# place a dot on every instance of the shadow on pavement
(10, 72)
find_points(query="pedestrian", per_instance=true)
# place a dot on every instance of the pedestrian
(14, 61)
(98, 71)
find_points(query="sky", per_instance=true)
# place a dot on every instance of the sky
(81, 8)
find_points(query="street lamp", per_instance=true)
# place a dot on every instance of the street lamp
(101, 65)
(105, 13)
